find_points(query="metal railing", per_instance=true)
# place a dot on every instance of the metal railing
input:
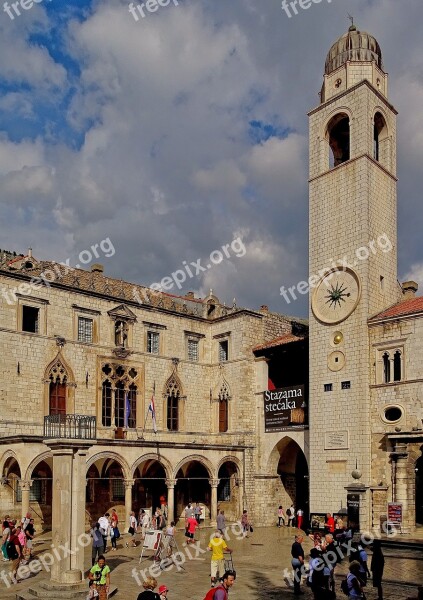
(76, 427)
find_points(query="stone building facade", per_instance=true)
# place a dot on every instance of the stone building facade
(84, 346)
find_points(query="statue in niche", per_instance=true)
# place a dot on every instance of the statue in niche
(121, 333)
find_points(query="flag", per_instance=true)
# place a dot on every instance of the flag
(152, 409)
(127, 410)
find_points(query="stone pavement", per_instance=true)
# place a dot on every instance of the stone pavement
(259, 561)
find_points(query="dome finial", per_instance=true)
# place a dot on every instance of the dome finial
(352, 26)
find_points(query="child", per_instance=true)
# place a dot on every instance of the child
(281, 516)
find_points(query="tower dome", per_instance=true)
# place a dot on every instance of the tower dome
(353, 46)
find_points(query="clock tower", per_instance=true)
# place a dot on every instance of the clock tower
(353, 261)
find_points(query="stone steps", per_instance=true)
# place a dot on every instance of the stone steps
(49, 591)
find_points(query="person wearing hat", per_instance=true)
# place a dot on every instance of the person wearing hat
(163, 590)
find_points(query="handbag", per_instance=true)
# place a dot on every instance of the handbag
(251, 529)
(131, 531)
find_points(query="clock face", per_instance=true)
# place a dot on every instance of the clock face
(336, 295)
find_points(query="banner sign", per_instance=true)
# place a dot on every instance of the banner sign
(284, 409)
(395, 513)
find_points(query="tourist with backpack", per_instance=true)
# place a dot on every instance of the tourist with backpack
(14, 554)
(352, 586)
(222, 590)
(360, 555)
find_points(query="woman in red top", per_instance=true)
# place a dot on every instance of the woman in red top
(330, 523)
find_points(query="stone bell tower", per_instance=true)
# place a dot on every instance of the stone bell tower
(353, 259)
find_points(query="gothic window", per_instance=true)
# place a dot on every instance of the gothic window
(57, 389)
(224, 408)
(397, 366)
(119, 395)
(386, 368)
(339, 139)
(106, 404)
(173, 398)
(120, 404)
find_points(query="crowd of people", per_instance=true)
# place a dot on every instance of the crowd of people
(324, 558)
(17, 542)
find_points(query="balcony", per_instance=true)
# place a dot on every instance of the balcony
(75, 427)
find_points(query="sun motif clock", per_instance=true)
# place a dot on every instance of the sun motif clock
(336, 295)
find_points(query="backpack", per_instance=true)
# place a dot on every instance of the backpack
(210, 594)
(288, 512)
(11, 550)
(344, 587)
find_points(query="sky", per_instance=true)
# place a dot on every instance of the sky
(185, 132)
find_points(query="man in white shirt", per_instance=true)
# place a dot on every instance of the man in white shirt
(291, 515)
(104, 529)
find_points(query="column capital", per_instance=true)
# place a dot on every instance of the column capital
(170, 483)
(128, 483)
(214, 482)
(25, 484)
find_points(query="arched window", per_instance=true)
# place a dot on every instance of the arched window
(106, 404)
(120, 404)
(386, 368)
(132, 406)
(338, 133)
(173, 396)
(223, 408)
(380, 135)
(397, 366)
(57, 396)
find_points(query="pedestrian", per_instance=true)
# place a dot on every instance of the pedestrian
(132, 530)
(163, 590)
(300, 516)
(190, 530)
(331, 558)
(221, 522)
(29, 534)
(377, 565)
(217, 546)
(5, 536)
(197, 513)
(222, 590)
(149, 584)
(98, 543)
(315, 577)
(114, 517)
(145, 523)
(330, 524)
(297, 553)
(104, 529)
(99, 575)
(291, 515)
(354, 583)
(14, 553)
(25, 521)
(245, 524)
(114, 533)
(170, 534)
(281, 516)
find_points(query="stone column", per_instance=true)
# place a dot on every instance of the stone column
(79, 484)
(128, 500)
(68, 508)
(213, 509)
(61, 508)
(25, 487)
(170, 483)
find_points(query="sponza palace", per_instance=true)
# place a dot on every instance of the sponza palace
(82, 361)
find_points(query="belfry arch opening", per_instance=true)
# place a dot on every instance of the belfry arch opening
(338, 136)
(380, 139)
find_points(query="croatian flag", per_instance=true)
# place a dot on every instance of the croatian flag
(152, 409)
(127, 410)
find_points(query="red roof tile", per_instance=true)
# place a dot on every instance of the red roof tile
(407, 307)
(279, 341)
